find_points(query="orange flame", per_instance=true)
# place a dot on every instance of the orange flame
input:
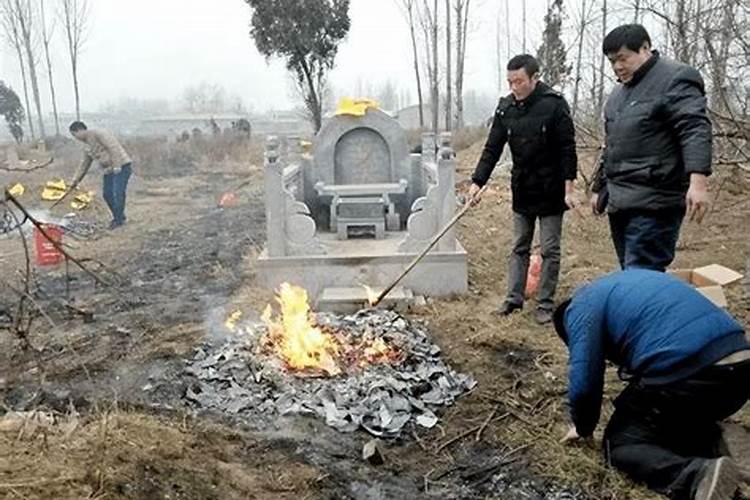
(295, 339)
(311, 350)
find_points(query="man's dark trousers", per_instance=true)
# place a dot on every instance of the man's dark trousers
(550, 231)
(646, 239)
(662, 435)
(114, 189)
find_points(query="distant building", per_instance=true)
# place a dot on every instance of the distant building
(408, 117)
(174, 125)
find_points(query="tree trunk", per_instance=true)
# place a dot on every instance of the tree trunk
(448, 73)
(312, 99)
(24, 16)
(29, 114)
(602, 63)
(420, 100)
(462, 28)
(581, 36)
(507, 29)
(498, 54)
(681, 48)
(719, 56)
(46, 40)
(74, 67)
(637, 9)
(435, 79)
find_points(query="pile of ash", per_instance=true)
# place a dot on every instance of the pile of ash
(235, 378)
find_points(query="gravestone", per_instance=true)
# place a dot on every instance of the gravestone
(361, 181)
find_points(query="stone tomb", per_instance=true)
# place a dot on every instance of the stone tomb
(359, 209)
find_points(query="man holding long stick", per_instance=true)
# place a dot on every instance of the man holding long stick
(534, 120)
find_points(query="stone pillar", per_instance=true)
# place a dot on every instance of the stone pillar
(417, 187)
(294, 157)
(447, 186)
(428, 148)
(275, 200)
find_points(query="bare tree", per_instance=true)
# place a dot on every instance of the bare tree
(436, 79)
(47, 33)
(13, 37)
(409, 7)
(602, 59)
(448, 75)
(428, 17)
(507, 29)
(461, 9)
(584, 19)
(25, 15)
(718, 37)
(498, 54)
(75, 15)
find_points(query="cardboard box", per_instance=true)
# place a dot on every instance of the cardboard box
(709, 280)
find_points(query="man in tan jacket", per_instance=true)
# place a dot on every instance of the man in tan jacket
(102, 147)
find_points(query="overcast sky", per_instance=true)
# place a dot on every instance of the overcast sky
(153, 49)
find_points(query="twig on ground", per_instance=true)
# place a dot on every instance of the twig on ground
(486, 422)
(40, 482)
(468, 433)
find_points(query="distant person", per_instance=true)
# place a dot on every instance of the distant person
(657, 153)
(687, 364)
(102, 147)
(534, 120)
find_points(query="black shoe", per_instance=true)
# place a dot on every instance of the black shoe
(115, 224)
(720, 480)
(507, 308)
(543, 316)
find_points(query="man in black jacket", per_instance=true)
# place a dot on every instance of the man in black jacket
(657, 154)
(535, 122)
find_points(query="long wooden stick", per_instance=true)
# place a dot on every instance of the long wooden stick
(429, 247)
(54, 243)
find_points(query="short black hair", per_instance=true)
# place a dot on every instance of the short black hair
(558, 318)
(76, 126)
(630, 36)
(525, 61)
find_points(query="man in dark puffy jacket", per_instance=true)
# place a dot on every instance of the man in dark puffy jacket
(535, 121)
(657, 154)
(688, 366)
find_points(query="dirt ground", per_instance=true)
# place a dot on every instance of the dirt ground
(181, 264)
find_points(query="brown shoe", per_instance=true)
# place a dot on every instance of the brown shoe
(719, 481)
(543, 316)
(508, 308)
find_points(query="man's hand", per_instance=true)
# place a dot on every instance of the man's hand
(697, 198)
(595, 204)
(571, 437)
(475, 194)
(571, 199)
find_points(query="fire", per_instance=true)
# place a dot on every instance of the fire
(308, 349)
(293, 336)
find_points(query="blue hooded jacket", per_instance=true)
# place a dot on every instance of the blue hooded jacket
(655, 327)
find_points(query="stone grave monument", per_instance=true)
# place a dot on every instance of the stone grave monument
(358, 210)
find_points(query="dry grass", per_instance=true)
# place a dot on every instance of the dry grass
(118, 454)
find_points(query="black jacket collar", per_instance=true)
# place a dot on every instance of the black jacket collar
(540, 90)
(645, 68)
